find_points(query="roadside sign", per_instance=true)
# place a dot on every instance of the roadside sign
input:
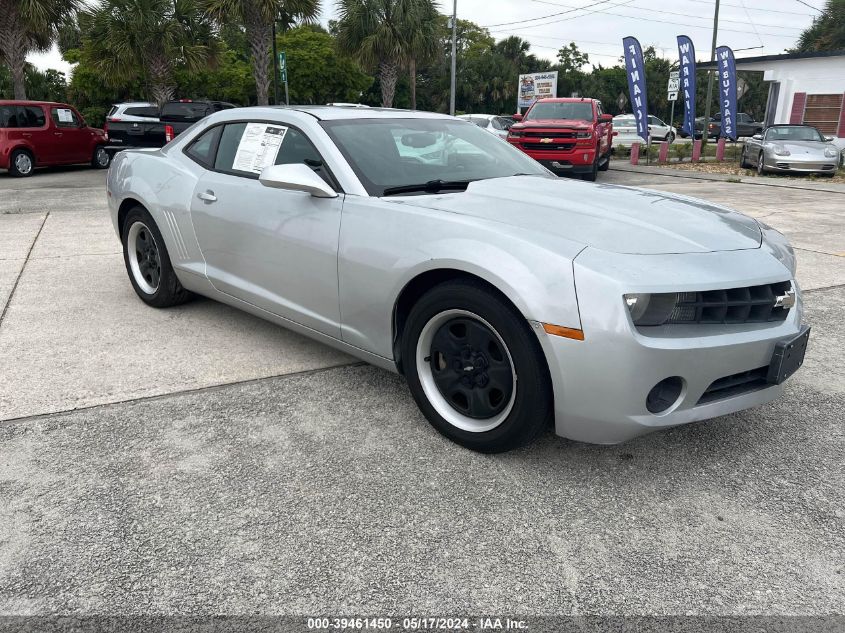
(674, 85)
(283, 67)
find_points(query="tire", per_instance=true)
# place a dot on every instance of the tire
(21, 163)
(761, 164)
(743, 162)
(148, 263)
(591, 175)
(475, 369)
(670, 138)
(606, 164)
(101, 158)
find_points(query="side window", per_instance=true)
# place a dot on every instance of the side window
(64, 117)
(244, 148)
(599, 111)
(497, 124)
(8, 116)
(149, 111)
(31, 116)
(202, 148)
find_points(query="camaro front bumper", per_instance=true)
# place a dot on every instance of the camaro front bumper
(601, 383)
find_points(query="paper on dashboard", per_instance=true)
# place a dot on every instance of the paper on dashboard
(259, 147)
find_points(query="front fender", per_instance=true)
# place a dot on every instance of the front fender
(534, 271)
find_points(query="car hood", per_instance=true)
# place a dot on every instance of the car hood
(567, 123)
(608, 217)
(803, 147)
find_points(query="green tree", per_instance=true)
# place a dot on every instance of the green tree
(127, 40)
(421, 44)
(28, 25)
(257, 17)
(827, 32)
(48, 85)
(316, 72)
(571, 59)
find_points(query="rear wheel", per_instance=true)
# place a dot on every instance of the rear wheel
(101, 158)
(475, 368)
(21, 163)
(148, 263)
(670, 137)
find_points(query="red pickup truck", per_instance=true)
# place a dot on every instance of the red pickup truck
(565, 135)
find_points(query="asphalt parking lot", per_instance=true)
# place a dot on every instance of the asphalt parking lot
(198, 460)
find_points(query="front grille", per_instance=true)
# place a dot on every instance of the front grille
(752, 304)
(735, 385)
(782, 165)
(559, 147)
(546, 134)
(828, 166)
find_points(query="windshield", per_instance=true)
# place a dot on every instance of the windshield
(579, 110)
(793, 133)
(391, 153)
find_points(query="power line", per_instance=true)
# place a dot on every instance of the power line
(686, 15)
(551, 15)
(753, 26)
(810, 5)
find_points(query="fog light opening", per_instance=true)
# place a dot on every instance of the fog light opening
(664, 394)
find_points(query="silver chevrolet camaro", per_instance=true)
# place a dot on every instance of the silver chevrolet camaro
(507, 297)
(791, 148)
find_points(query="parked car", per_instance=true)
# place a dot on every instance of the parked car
(625, 127)
(493, 123)
(41, 133)
(507, 297)
(745, 125)
(174, 118)
(791, 148)
(565, 135)
(133, 111)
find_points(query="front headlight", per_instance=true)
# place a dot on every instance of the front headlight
(583, 135)
(660, 308)
(780, 150)
(830, 152)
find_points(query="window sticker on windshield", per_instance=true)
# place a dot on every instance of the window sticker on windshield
(259, 147)
(65, 115)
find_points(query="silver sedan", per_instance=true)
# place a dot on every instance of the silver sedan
(509, 299)
(791, 148)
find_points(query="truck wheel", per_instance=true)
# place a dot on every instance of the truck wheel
(21, 163)
(591, 175)
(605, 165)
(101, 159)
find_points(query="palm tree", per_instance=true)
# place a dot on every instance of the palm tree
(28, 25)
(420, 28)
(376, 33)
(257, 17)
(148, 39)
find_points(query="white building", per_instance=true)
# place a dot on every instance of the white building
(804, 88)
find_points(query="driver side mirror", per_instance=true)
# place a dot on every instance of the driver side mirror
(606, 118)
(517, 117)
(757, 137)
(828, 139)
(296, 177)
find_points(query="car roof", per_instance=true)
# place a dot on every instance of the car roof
(565, 100)
(129, 104)
(331, 113)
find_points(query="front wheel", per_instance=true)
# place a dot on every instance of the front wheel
(148, 263)
(670, 138)
(475, 368)
(594, 170)
(761, 164)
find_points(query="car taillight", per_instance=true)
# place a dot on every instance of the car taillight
(113, 119)
(169, 134)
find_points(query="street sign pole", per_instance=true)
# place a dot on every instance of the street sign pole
(283, 71)
(673, 89)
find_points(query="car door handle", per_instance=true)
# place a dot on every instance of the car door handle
(208, 196)
(26, 135)
(57, 133)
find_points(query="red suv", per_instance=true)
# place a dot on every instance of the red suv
(38, 133)
(565, 135)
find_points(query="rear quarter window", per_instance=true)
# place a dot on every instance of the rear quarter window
(185, 111)
(8, 116)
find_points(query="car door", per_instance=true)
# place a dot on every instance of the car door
(35, 131)
(73, 141)
(273, 248)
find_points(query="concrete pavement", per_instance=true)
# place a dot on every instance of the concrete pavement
(220, 464)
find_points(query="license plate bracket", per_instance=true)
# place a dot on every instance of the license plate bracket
(788, 357)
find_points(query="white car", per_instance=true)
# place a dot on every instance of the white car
(136, 111)
(626, 130)
(493, 123)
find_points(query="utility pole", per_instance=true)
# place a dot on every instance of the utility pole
(710, 78)
(454, 54)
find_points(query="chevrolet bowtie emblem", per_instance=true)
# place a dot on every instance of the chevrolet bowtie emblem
(545, 140)
(785, 300)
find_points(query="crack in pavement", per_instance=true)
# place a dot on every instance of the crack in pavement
(23, 267)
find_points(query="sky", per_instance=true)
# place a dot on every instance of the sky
(763, 27)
